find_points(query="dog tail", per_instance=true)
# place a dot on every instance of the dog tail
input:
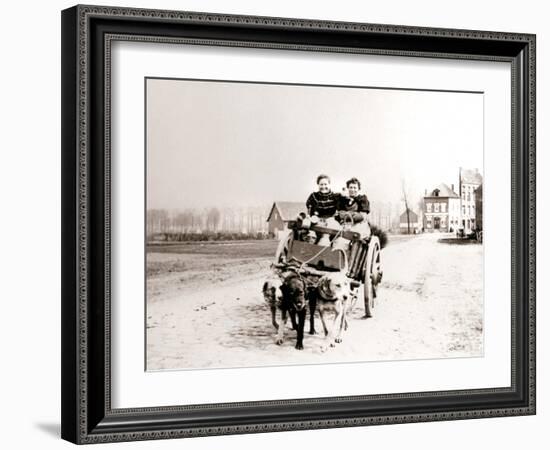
(382, 235)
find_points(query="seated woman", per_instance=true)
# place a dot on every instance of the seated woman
(354, 207)
(322, 206)
(323, 203)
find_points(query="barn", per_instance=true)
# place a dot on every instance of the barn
(411, 226)
(281, 213)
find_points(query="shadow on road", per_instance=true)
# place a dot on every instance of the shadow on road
(252, 328)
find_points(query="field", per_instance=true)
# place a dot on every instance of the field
(194, 265)
(205, 308)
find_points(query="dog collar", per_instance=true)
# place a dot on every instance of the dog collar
(323, 293)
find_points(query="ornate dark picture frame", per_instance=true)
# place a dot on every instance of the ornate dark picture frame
(87, 33)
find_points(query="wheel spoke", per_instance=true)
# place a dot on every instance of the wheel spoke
(372, 267)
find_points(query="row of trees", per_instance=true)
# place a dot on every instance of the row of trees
(385, 215)
(411, 202)
(251, 220)
(195, 220)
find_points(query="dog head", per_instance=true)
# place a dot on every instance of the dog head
(334, 287)
(272, 292)
(294, 292)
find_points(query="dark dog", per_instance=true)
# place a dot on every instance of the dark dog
(273, 296)
(295, 301)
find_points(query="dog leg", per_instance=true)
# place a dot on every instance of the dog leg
(293, 320)
(330, 336)
(274, 317)
(324, 346)
(339, 322)
(312, 307)
(322, 316)
(281, 333)
(301, 326)
(349, 308)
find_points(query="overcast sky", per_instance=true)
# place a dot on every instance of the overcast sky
(242, 144)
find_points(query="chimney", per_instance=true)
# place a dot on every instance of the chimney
(452, 187)
(425, 192)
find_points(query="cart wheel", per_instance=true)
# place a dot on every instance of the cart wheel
(281, 255)
(372, 275)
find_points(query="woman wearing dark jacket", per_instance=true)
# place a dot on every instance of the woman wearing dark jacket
(354, 204)
(324, 202)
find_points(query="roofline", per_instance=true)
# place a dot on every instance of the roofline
(276, 205)
(271, 211)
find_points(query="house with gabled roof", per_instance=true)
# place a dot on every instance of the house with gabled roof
(281, 213)
(441, 209)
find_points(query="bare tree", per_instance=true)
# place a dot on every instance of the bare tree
(421, 212)
(196, 220)
(177, 222)
(213, 218)
(405, 199)
(151, 220)
(387, 214)
(187, 220)
(157, 220)
(164, 220)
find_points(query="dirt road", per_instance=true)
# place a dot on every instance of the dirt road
(207, 310)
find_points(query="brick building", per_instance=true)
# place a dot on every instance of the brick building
(469, 181)
(441, 209)
(478, 193)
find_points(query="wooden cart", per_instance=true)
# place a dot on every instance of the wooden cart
(356, 254)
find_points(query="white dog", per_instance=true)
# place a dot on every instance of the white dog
(334, 294)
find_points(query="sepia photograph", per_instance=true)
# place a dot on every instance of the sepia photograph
(278, 223)
(291, 224)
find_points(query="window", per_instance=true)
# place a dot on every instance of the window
(428, 207)
(436, 207)
(443, 207)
